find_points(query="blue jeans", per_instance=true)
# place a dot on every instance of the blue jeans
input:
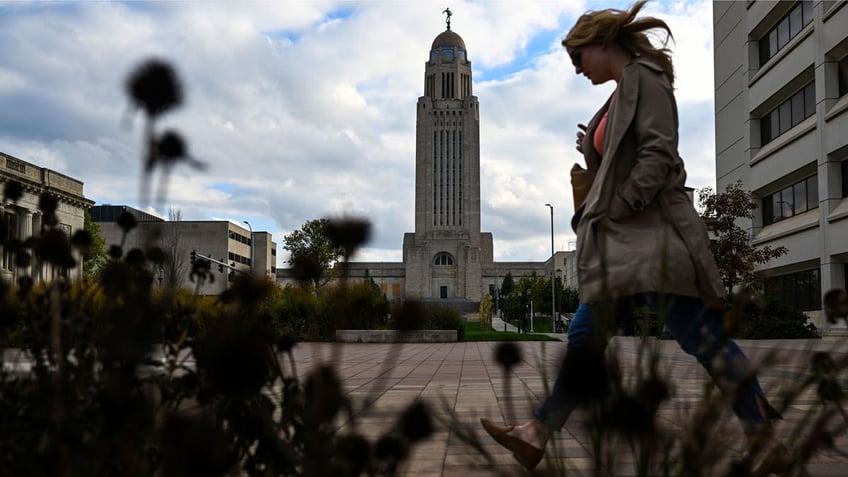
(697, 330)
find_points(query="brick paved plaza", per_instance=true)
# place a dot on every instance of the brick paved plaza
(466, 378)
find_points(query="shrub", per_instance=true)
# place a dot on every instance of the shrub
(775, 320)
(294, 312)
(355, 306)
(440, 317)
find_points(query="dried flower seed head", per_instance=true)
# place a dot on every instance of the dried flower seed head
(25, 284)
(48, 203)
(286, 343)
(22, 259)
(508, 355)
(628, 415)
(171, 146)
(126, 221)
(349, 234)
(352, 455)
(201, 270)
(247, 291)
(389, 451)
(415, 423)
(115, 252)
(323, 397)
(822, 364)
(81, 240)
(195, 446)
(653, 391)
(157, 255)
(409, 315)
(135, 258)
(830, 390)
(13, 191)
(153, 87)
(835, 305)
(306, 268)
(233, 358)
(53, 247)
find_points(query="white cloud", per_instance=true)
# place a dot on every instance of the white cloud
(307, 109)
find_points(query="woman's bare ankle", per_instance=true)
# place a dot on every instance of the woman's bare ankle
(533, 432)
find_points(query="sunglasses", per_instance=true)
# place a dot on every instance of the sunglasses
(577, 57)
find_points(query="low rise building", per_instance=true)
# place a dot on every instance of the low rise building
(23, 218)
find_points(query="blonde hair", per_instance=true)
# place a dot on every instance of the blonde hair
(623, 28)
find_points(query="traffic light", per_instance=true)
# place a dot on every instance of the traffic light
(221, 267)
(193, 256)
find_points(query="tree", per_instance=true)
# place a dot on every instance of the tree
(175, 268)
(569, 300)
(312, 253)
(735, 256)
(96, 257)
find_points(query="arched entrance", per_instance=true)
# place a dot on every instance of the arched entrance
(443, 276)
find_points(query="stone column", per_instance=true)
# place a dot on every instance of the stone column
(25, 232)
(37, 269)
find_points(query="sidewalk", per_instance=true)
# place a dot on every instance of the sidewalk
(499, 325)
(463, 378)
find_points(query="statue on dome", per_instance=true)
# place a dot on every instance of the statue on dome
(447, 19)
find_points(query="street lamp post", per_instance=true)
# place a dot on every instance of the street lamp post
(553, 267)
(251, 245)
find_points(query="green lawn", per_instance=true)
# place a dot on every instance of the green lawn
(474, 333)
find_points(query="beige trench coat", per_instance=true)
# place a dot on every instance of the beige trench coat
(639, 231)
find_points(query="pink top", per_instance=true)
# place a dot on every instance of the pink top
(598, 138)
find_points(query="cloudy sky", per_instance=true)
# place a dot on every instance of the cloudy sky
(306, 109)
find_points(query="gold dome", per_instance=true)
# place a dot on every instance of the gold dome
(448, 38)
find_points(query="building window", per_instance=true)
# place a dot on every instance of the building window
(801, 290)
(395, 289)
(845, 178)
(15, 165)
(792, 200)
(443, 259)
(66, 229)
(785, 30)
(842, 68)
(788, 114)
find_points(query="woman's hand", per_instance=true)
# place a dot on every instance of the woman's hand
(580, 135)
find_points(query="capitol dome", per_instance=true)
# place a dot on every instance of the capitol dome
(448, 38)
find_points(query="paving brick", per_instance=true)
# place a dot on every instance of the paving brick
(465, 378)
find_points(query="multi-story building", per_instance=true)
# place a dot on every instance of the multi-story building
(23, 219)
(223, 241)
(781, 122)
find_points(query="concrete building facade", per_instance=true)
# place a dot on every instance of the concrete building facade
(23, 219)
(221, 240)
(781, 122)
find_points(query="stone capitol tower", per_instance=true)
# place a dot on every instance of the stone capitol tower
(446, 255)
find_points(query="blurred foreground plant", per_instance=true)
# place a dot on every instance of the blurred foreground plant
(114, 377)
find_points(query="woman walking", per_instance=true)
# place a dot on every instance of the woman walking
(638, 234)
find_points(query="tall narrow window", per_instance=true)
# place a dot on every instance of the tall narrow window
(788, 114)
(787, 28)
(842, 69)
(845, 180)
(793, 200)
